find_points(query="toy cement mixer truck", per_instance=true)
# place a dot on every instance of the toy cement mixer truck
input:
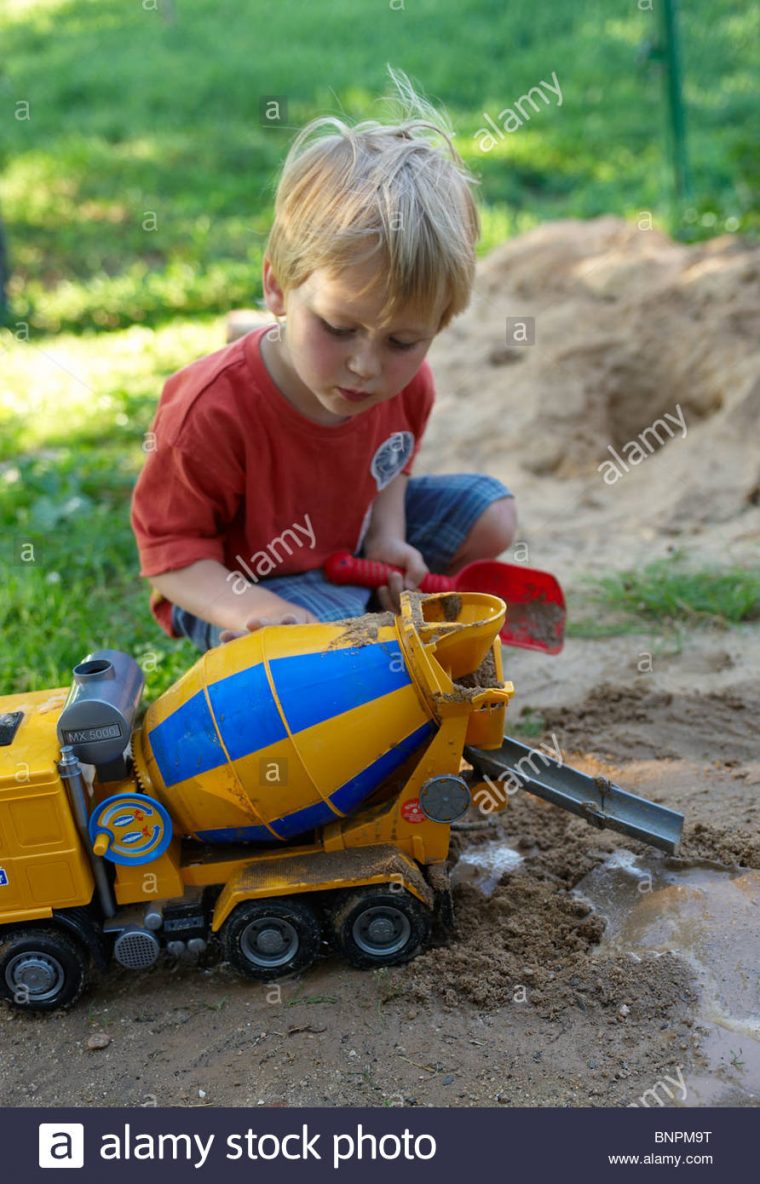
(295, 786)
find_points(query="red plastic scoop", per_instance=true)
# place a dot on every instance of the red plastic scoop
(535, 603)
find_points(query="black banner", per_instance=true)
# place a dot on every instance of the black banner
(396, 1145)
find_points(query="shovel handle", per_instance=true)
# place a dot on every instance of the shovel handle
(345, 568)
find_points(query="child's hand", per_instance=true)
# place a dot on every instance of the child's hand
(400, 554)
(294, 616)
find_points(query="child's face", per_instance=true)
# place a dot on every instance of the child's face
(332, 345)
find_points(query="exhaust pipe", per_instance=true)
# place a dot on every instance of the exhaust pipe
(71, 774)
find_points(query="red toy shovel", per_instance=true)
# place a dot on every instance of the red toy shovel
(535, 603)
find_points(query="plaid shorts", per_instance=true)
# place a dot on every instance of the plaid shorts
(440, 512)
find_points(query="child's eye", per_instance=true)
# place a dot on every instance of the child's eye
(336, 332)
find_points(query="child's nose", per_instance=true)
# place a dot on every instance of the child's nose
(363, 363)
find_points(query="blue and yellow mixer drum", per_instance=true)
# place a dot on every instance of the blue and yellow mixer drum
(292, 728)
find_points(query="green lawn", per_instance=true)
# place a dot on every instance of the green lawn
(137, 196)
(132, 115)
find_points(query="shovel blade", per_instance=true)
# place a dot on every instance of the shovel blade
(535, 603)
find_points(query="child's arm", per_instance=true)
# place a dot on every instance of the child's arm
(386, 534)
(386, 541)
(203, 589)
(180, 508)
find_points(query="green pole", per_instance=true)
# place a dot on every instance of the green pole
(4, 276)
(676, 112)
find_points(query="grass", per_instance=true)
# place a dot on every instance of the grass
(136, 178)
(70, 574)
(668, 594)
(136, 186)
(529, 724)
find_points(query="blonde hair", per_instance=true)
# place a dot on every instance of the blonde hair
(384, 191)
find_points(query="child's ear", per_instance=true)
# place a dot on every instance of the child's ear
(273, 293)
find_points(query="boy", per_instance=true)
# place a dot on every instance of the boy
(298, 439)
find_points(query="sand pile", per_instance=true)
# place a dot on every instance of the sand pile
(633, 334)
(534, 934)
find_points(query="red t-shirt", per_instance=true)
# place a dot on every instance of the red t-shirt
(235, 473)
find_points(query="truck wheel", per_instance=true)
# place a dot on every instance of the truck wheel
(380, 927)
(41, 969)
(267, 939)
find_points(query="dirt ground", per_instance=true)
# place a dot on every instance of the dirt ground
(531, 1001)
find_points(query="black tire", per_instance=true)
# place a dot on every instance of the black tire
(41, 969)
(268, 939)
(377, 926)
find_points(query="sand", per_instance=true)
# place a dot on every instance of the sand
(629, 326)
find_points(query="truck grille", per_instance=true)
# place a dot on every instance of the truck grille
(137, 949)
